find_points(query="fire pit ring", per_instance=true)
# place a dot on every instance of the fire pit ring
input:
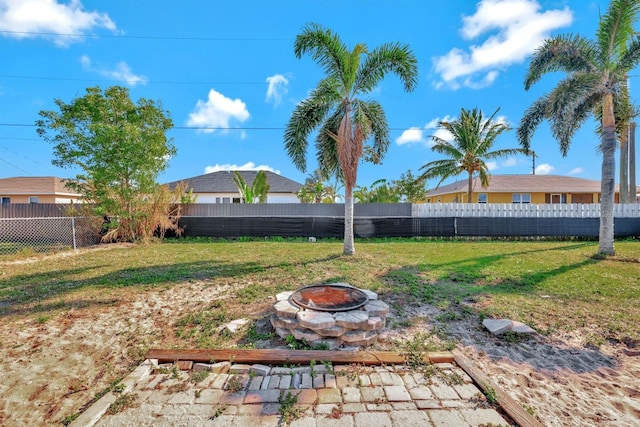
(333, 297)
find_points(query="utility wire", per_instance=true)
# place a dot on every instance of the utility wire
(192, 127)
(123, 36)
(121, 81)
(14, 166)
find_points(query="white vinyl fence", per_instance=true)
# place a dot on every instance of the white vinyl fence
(508, 210)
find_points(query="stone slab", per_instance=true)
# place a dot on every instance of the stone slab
(500, 326)
(286, 309)
(315, 320)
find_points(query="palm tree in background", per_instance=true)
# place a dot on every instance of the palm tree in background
(316, 190)
(256, 192)
(472, 136)
(345, 121)
(596, 72)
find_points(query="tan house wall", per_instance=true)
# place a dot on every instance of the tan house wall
(537, 198)
(20, 198)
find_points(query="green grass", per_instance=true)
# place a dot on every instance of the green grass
(552, 286)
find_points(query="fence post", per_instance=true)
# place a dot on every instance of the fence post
(73, 231)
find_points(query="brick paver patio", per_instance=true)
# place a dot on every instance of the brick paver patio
(302, 396)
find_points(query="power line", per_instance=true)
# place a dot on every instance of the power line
(193, 128)
(123, 81)
(123, 36)
(14, 166)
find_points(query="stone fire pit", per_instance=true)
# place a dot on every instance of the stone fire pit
(334, 314)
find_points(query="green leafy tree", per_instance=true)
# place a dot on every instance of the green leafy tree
(120, 147)
(596, 71)
(472, 136)
(379, 192)
(410, 189)
(256, 192)
(344, 120)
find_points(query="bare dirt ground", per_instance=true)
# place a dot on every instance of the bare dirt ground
(53, 366)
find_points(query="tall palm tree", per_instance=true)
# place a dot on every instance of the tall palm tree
(473, 135)
(345, 121)
(596, 70)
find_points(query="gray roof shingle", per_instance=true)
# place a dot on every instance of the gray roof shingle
(222, 182)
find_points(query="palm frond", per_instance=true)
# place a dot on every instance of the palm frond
(440, 168)
(324, 46)
(389, 58)
(630, 58)
(569, 53)
(616, 29)
(373, 120)
(327, 144)
(533, 116)
(307, 116)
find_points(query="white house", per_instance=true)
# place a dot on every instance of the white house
(219, 187)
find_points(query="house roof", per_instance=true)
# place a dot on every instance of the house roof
(524, 184)
(32, 185)
(222, 182)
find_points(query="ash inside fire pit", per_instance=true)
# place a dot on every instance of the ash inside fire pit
(331, 298)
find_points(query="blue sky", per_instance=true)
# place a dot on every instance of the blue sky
(230, 64)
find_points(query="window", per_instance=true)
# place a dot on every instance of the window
(482, 198)
(521, 198)
(33, 199)
(226, 200)
(5, 201)
(558, 198)
(236, 200)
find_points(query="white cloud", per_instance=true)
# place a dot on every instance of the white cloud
(511, 161)
(576, 171)
(217, 112)
(32, 18)
(122, 72)
(277, 88)
(492, 165)
(544, 169)
(410, 136)
(419, 135)
(515, 29)
(249, 166)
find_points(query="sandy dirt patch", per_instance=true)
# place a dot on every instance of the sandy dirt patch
(53, 367)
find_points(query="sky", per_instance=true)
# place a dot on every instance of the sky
(226, 73)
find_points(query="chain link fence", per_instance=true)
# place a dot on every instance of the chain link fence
(46, 234)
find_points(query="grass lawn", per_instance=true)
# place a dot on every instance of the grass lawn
(551, 286)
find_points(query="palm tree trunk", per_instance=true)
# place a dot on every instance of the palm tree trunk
(349, 247)
(624, 165)
(470, 187)
(632, 163)
(607, 185)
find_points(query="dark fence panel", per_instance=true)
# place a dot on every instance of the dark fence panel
(34, 210)
(262, 226)
(543, 227)
(403, 227)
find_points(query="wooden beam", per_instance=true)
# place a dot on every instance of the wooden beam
(521, 417)
(275, 356)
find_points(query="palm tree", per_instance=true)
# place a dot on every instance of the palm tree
(345, 121)
(256, 192)
(473, 135)
(596, 71)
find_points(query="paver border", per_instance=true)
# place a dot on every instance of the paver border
(522, 418)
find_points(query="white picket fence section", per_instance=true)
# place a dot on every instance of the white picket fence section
(508, 210)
